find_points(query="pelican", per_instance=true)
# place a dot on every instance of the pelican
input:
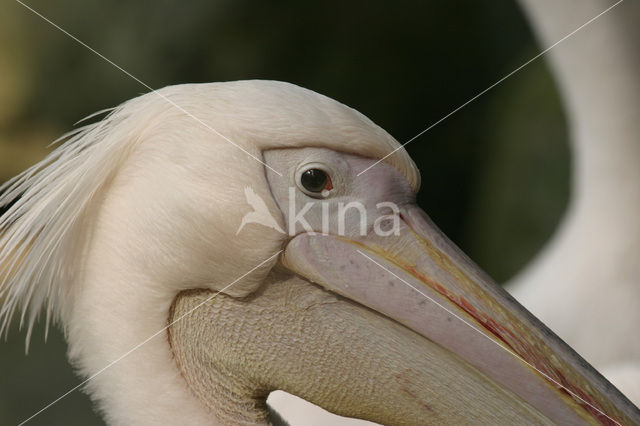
(586, 284)
(128, 236)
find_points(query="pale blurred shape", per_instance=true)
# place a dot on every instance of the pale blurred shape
(296, 411)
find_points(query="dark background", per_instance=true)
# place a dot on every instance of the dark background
(495, 174)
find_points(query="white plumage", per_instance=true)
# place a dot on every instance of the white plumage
(95, 238)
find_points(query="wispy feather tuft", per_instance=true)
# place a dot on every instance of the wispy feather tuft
(40, 232)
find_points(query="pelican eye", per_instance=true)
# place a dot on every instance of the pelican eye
(315, 181)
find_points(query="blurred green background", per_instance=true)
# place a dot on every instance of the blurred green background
(495, 174)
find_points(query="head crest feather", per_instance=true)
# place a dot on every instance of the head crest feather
(45, 205)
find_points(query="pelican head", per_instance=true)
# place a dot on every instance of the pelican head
(206, 244)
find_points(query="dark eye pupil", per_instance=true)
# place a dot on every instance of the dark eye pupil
(314, 180)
